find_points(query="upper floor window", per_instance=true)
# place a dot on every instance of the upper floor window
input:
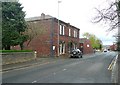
(75, 33)
(69, 32)
(62, 30)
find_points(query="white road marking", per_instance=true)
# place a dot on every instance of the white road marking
(64, 69)
(54, 73)
(34, 81)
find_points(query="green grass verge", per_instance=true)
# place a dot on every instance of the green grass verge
(9, 51)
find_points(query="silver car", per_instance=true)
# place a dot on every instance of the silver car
(76, 53)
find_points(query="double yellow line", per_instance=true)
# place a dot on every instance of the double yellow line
(110, 67)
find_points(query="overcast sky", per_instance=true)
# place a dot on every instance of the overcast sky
(78, 13)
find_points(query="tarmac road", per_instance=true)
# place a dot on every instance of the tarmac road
(93, 69)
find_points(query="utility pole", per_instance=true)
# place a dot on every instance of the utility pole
(58, 29)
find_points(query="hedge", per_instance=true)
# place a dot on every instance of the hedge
(6, 51)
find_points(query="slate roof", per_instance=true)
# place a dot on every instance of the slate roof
(43, 16)
(38, 18)
(82, 40)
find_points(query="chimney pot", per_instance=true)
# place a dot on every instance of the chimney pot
(42, 16)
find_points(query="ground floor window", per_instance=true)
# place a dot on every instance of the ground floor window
(71, 46)
(74, 46)
(62, 48)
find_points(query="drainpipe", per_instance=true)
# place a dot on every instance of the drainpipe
(51, 38)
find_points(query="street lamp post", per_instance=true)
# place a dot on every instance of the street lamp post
(58, 27)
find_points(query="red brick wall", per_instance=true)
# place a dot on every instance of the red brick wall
(41, 42)
(66, 38)
(86, 49)
(113, 47)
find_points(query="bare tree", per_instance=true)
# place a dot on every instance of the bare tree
(34, 29)
(109, 15)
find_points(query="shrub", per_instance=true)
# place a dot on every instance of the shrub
(9, 51)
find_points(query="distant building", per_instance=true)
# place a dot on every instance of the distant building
(107, 47)
(50, 40)
(113, 47)
(85, 46)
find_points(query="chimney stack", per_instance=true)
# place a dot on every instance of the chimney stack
(42, 16)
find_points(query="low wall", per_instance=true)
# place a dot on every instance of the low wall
(16, 57)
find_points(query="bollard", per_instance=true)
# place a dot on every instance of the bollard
(35, 54)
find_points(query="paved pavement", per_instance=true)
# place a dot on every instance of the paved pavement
(40, 61)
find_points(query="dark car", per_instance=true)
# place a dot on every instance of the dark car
(105, 50)
(76, 53)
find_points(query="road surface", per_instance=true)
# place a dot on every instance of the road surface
(73, 70)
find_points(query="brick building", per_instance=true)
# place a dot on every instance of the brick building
(113, 47)
(85, 46)
(48, 39)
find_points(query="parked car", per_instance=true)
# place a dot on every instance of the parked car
(76, 53)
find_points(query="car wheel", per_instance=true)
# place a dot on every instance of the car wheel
(79, 56)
